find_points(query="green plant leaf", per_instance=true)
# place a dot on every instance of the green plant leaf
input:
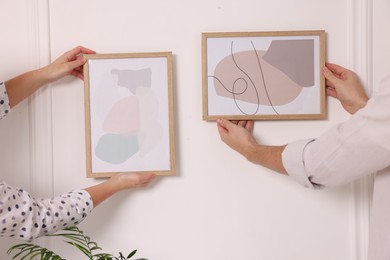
(72, 236)
(105, 256)
(96, 248)
(84, 250)
(77, 238)
(47, 256)
(131, 254)
(43, 253)
(30, 251)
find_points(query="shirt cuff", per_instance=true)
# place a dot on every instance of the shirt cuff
(85, 198)
(294, 163)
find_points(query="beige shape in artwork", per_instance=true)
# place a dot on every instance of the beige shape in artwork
(151, 131)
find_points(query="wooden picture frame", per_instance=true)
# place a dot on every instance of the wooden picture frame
(129, 114)
(263, 75)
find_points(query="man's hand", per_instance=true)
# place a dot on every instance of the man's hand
(345, 86)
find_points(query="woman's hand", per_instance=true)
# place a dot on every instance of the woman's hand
(131, 180)
(69, 63)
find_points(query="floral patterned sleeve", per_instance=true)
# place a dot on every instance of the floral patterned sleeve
(4, 102)
(26, 218)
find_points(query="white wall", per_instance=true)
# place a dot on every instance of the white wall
(381, 43)
(218, 205)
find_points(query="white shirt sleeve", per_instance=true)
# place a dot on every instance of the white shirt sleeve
(293, 161)
(26, 218)
(4, 102)
(347, 151)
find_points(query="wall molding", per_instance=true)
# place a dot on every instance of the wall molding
(40, 106)
(360, 40)
(40, 103)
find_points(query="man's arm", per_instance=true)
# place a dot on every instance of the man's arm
(240, 138)
(341, 83)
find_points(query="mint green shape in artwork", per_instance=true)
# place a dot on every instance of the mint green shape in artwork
(115, 148)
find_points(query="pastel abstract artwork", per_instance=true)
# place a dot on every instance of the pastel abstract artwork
(128, 114)
(263, 75)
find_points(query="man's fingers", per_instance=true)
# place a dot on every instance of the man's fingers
(249, 126)
(242, 123)
(221, 129)
(225, 123)
(331, 92)
(329, 84)
(335, 68)
(331, 78)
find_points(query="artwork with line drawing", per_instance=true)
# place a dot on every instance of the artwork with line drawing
(264, 76)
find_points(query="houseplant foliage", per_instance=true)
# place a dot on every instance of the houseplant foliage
(72, 236)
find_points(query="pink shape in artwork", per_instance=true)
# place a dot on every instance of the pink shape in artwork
(249, 78)
(123, 118)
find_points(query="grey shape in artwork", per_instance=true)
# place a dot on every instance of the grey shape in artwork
(132, 79)
(295, 58)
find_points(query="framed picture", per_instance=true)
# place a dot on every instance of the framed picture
(263, 75)
(129, 114)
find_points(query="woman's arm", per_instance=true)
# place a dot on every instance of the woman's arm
(24, 217)
(70, 63)
(117, 183)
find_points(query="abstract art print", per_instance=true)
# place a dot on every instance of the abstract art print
(129, 113)
(263, 75)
